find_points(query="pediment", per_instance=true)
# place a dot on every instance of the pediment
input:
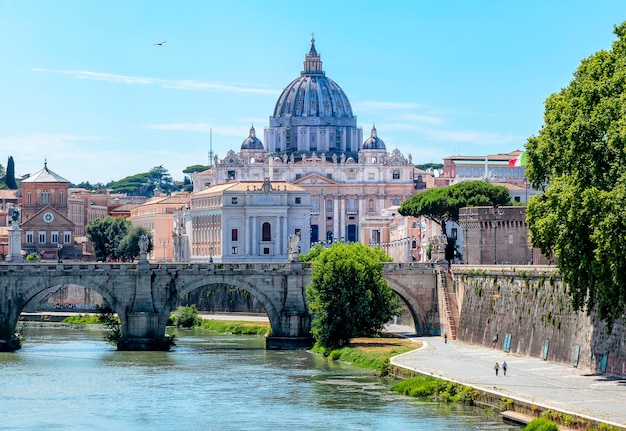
(59, 220)
(314, 179)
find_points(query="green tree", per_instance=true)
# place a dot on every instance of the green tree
(195, 168)
(10, 174)
(106, 234)
(443, 204)
(348, 295)
(578, 160)
(128, 248)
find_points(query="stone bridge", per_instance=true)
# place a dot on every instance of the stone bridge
(143, 295)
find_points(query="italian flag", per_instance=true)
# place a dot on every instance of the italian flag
(519, 160)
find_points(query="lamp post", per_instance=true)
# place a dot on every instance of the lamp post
(59, 248)
(164, 242)
(210, 254)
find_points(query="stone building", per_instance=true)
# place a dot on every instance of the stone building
(46, 228)
(247, 221)
(313, 141)
(497, 235)
(157, 215)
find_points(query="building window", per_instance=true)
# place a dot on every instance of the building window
(351, 204)
(234, 235)
(45, 197)
(29, 198)
(371, 206)
(42, 237)
(396, 175)
(231, 175)
(314, 205)
(267, 232)
(61, 198)
(298, 201)
(351, 175)
(517, 199)
(298, 176)
(29, 237)
(54, 237)
(329, 176)
(329, 205)
(234, 250)
(414, 244)
(67, 237)
(266, 250)
(233, 201)
(396, 201)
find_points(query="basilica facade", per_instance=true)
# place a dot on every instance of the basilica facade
(313, 141)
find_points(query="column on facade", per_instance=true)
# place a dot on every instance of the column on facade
(254, 236)
(336, 212)
(248, 236)
(285, 235)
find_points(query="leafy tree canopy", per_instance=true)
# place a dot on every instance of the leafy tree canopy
(578, 159)
(443, 204)
(195, 168)
(427, 166)
(116, 238)
(348, 295)
(144, 184)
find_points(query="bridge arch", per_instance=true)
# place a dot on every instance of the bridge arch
(239, 282)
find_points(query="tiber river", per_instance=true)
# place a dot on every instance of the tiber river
(65, 379)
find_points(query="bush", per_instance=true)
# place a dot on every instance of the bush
(187, 316)
(541, 424)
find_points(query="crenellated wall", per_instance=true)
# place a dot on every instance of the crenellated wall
(528, 308)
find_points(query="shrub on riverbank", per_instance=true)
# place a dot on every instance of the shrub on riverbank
(426, 387)
(82, 319)
(541, 424)
(372, 353)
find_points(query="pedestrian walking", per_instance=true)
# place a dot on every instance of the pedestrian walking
(496, 367)
(445, 337)
(504, 367)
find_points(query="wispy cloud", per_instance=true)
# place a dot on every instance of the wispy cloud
(234, 131)
(178, 84)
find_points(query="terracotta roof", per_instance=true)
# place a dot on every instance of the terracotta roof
(8, 194)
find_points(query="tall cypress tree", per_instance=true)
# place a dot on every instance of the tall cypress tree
(10, 176)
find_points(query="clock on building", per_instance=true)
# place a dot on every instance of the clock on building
(48, 217)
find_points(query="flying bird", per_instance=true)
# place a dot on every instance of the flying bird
(161, 43)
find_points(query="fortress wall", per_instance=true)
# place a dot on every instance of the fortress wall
(528, 308)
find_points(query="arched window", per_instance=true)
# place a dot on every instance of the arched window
(45, 197)
(329, 205)
(267, 232)
(396, 201)
(374, 160)
(371, 206)
(396, 175)
(314, 205)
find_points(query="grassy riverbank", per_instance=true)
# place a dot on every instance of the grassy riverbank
(372, 353)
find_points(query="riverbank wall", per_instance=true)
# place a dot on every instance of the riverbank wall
(527, 311)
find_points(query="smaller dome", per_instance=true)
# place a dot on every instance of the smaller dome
(252, 142)
(374, 142)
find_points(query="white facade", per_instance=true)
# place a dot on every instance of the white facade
(247, 221)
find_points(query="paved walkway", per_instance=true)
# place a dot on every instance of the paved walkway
(533, 380)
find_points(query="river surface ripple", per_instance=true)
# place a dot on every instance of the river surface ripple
(67, 379)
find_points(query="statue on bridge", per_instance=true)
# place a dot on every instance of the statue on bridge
(294, 248)
(143, 248)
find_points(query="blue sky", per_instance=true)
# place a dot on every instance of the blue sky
(83, 85)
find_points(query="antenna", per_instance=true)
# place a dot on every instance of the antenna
(211, 147)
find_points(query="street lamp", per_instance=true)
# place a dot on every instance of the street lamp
(164, 241)
(210, 254)
(59, 248)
